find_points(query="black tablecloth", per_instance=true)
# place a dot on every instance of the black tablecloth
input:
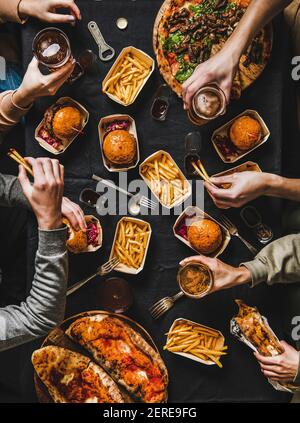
(241, 378)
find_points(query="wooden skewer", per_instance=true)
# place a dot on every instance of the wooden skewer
(14, 155)
(80, 131)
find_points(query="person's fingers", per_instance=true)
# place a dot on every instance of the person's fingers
(67, 4)
(189, 94)
(24, 180)
(59, 18)
(56, 171)
(226, 87)
(34, 64)
(219, 193)
(60, 74)
(273, 375)
(80, 218)
(285, 345)
(274, 368)
(48, 170)
(201, 259)
(38, 171)
(271, 361)
(220, 180)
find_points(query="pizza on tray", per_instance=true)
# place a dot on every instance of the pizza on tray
(189, 32)
(73, 378)
(124, 355)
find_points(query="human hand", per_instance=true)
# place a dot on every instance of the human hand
(45, 10)
(219, 69)
(225, 276)
(281, 368)
(35, 84)
(74, 214)
(244, 187)
(46, 192)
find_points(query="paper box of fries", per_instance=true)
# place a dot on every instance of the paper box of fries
(128, 76)
(196, 342)
(164, 178)
(124, 122)
(130, 245)
(193, 214)
(65, 144)
(226, 149)
(253, 329)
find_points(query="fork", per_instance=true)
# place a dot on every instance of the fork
(140, 199)
(232, 229)
(103, 270)
(164, 305)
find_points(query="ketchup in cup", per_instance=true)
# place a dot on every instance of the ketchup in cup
(52, 49)
(208, 103)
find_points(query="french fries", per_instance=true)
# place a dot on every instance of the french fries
(127, 78)
(131, 242)
(196, 340)
(164, 179)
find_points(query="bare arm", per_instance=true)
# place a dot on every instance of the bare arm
(222, 67)
(247, 186)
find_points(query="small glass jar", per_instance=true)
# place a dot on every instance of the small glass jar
(195, 280)
(51, 47)
(208, 103)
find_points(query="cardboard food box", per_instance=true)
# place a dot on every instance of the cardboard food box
(132, 130)
(219, 345)
(85, 119)
(224, 131)
(147, 181)
(122, 267)
(195, 214)
(143, 57)
(245, 167)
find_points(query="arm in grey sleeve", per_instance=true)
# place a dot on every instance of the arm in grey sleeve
(11, 193)
(45, 306)
(279, 262)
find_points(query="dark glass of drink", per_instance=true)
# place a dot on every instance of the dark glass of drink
(51, 47)
(115, 295)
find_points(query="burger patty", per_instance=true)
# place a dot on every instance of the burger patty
(49, 116)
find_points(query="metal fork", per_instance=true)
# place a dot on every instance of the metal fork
(164, 305)
(140, 199)
(233, 230)
(103, 270)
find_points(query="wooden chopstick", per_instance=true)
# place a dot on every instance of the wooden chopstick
(202, 174)
(14, 155)
(202, 169)
(199, 172)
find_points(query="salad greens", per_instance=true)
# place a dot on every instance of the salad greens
(173, 40)
(207, 7)
(186, 70)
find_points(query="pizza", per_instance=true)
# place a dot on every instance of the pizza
(124, 354)
(71, 377)
(189, 32)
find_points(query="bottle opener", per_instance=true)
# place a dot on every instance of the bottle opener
(106, 52)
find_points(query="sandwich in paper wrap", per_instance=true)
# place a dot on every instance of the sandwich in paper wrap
(250, 327)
